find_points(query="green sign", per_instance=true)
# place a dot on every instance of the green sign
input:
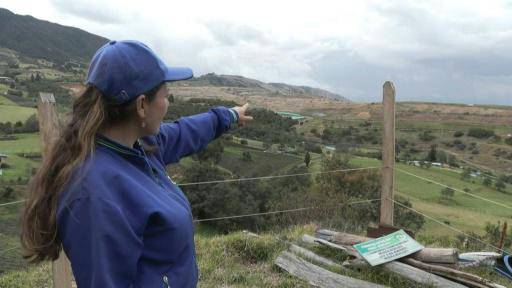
(388, 248)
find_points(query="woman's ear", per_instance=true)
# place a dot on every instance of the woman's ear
(141, 105)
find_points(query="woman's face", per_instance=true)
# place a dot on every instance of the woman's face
(156, 110)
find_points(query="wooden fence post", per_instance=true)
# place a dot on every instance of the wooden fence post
(48, 129)
(388, 155)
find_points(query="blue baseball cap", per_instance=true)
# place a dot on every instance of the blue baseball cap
(122, 70)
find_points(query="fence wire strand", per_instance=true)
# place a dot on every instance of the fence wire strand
(455, 189)
(245, 179)
(282, 211)
(448, 226)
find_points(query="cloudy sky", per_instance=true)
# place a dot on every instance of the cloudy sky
(436, 51)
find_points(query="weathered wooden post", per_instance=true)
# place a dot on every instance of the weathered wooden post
(49, 127)
(388, 155)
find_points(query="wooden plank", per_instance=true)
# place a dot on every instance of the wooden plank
(455, 274)
(318, 276)
(404, 270)
(431, 255)
(388, 155)
(49, 127)
(310, 255)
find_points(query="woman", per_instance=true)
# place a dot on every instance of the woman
(103, 194)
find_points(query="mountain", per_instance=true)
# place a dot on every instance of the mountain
(275, 89)
(42, 39)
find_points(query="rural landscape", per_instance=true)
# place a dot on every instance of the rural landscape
(324, 148)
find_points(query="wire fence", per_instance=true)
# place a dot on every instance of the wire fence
(449, 227)
(10, 255)
(245, 179)
(455, 189)
(10, 249)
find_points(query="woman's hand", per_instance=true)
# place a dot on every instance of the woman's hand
(242, 118)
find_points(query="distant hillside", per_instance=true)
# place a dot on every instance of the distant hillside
(59, 44)
(275, 89)
(41, 39)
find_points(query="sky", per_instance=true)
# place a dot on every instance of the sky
(433, 51)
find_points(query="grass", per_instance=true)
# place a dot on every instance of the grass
(241, 259)
(19, 166)
(462, 211)
(26, 142)
(15, 113)
(6, 102)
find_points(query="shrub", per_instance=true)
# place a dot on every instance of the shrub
(480, 133)
(447, 193)
(458, 134)
(426, 136)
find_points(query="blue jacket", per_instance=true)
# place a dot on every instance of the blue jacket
(123, 222)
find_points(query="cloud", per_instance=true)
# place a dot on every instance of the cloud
(449, 51)
(95, 11)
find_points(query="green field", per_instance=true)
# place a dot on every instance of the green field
(15, 113)
(19, 166)
(463, 211)
(6, 102)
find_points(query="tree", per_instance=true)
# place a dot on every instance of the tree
(221, 199)
(452, 161)
(38, 77)
(480, 133)
(466, 173)
(426, 136)
(246, 156)
(500, 185)
(487, 181)
(31, 77)
(212, 153)
(432, 154)
(7, 194)
(441, 156)
(447, 193)
(307, 159)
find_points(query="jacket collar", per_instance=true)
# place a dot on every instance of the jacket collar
(118, 147)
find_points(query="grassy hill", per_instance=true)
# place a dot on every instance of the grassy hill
(242, 260)
(42, 39)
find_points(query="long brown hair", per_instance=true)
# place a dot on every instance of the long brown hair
(91, 112)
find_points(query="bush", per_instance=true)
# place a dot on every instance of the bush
(447, 193)
(500, 185)
(426, 136)
(243, 142)
(508, 140)
(458, 134)
(459, 144)
(480, 133)
(246, 156)
(487, 182)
